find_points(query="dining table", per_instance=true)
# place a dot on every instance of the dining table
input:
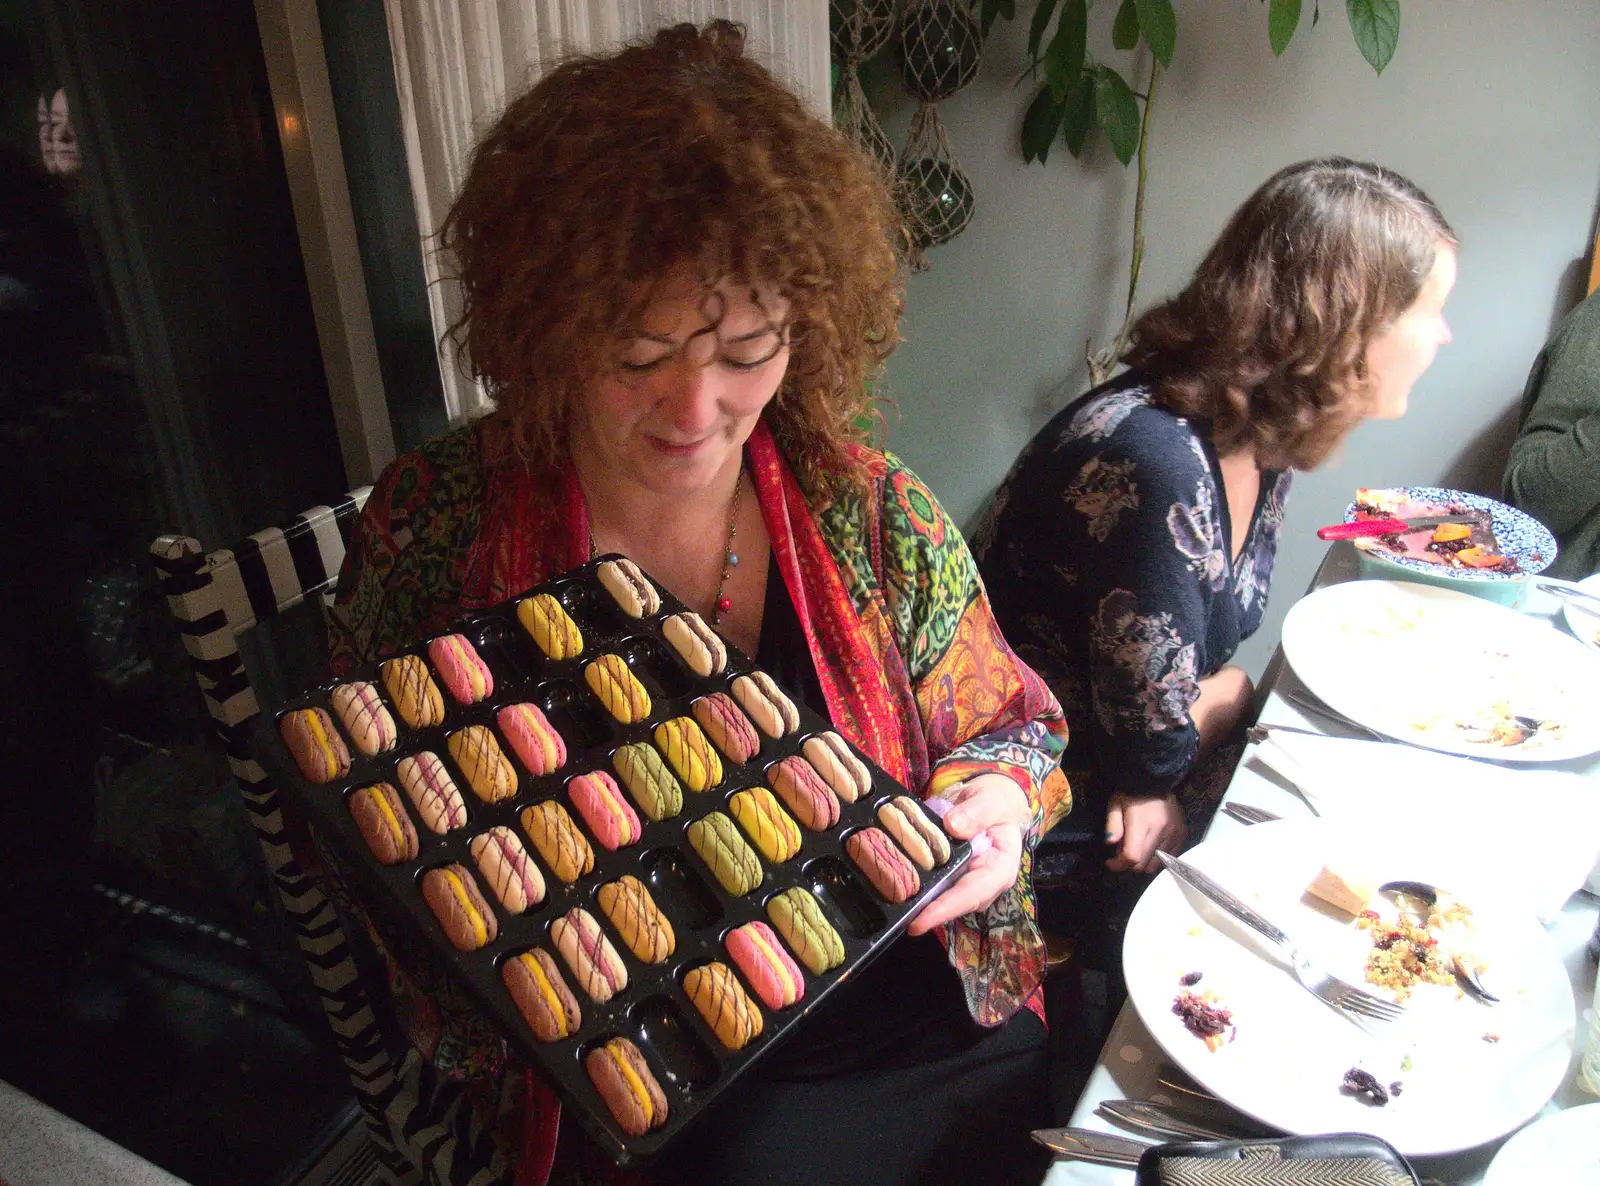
(1130, 1061)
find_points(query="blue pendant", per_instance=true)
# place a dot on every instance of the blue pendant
(733, 560)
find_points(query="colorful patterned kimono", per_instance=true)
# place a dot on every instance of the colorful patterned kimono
(911, 663)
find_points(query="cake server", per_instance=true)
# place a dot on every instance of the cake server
(1362, 528)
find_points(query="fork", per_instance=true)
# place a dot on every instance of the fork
(1354, 1004)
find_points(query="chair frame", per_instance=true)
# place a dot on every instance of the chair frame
(420, 1125)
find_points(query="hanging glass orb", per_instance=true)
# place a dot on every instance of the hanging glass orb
(940, 46)
(936, 199)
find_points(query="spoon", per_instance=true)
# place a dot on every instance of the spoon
(1417, 899)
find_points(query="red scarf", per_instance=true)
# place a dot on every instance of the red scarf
(535, 526)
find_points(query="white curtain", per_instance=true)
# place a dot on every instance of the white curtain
(457, 61)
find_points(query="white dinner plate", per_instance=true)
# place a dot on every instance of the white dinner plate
(1563, 1148)
(1582, 621)
(1469, 1073)
(1414, 661)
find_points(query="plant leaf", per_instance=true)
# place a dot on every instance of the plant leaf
(1041, 22)
(1078, 117)
(1118, 112)
(1040, 124)
(989, 10)
(1160, 28)
(1125, 29)
(1376, 24)
(1283, 18)
(1063, 61)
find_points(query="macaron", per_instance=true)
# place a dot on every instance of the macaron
(599, 800)
(769, 827)
(315, 744)
(767, 704)
(729, 729)
(696, 643)
(637, 918)
(384, 824)
(364, 716)
(731, 861)
(463, 670)
(769, 969)
(691, 755)
(507, 869)
(459, 905)
(533, 738)
(804, 793)
(648, 780)
(558, 840)
(922, 839)
(552, 628)
(541, 995)
(798, 917)
(631, 1093)
(846, 775)
(482, 762)
(716, 993)
(884, 864)
(618, 688)
(410, 685)
(630, 588)
(432, 791)
(596, 966)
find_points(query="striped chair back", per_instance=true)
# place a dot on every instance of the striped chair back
(422, 1128)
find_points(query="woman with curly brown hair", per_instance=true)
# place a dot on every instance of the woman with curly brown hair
(1130, 549)
(676, 282)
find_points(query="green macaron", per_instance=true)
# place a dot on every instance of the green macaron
(733, 862)
(648, 780)
(798, 917)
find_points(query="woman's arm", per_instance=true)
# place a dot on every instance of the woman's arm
(1554, 469)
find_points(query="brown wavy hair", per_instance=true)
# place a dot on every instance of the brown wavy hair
(1269, 339)
(611, 172)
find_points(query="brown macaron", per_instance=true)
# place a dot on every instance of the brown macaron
(457, 902)
(924, 840)
(542, 996)
(845, 773)
(621, 1076)
(318, 749)
(384, 824)
(696, 643)
(767, 704)
(729, 729)
(884, 864)
(804, 793)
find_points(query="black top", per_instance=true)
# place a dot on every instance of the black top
(905, 1007)
(1108, 561)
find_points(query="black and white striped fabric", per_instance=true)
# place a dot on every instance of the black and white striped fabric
(422, 1128)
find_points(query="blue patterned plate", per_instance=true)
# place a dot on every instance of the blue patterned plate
(1518, 535)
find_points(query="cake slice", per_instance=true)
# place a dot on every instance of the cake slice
(1450, 545)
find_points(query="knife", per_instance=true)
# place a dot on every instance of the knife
(1177, 1121)
(1389, 526)
(1187, 873)
(1088, 1144)
(1581, 597)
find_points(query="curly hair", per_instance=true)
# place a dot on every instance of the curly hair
(611, 172)
(1269, 339)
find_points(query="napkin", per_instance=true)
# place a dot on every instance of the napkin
(1530, 835)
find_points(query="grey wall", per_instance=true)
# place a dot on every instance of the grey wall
(1492, 107)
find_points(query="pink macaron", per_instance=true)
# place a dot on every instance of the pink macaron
(609, 816)
(770, 969)
(534, 739)
(461, 667)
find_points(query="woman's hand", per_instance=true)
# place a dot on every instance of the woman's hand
(1141, 824)
(994, 805)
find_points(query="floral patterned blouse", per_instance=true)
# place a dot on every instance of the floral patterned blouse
(1106, 557)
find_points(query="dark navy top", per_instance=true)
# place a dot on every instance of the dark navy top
(1106, 555)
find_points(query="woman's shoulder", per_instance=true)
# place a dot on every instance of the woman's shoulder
(1117, 422)
(446, 469)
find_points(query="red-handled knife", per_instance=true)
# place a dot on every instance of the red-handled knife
(1363, 528)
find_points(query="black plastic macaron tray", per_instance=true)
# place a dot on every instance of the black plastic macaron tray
(654, 1010)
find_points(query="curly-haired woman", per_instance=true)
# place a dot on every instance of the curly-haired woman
(1130, 549)
(676, 282)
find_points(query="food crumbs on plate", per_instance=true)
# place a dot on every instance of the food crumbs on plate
(1206, 1018)
(1491, 1038)
(1364, 1086)
(1197, 931)
(1190, 979)
(1405, 1063)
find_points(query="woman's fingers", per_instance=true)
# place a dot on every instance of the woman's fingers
(985, 878)
(1114, 830)
(989, 801)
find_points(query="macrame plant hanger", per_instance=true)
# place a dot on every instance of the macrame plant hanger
(860, 29)
(940, 47)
